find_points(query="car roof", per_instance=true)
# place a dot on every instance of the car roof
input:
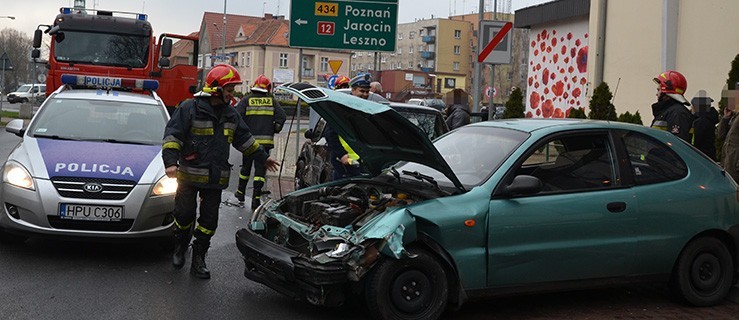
(530, 125)
(414, 107)
(107, 95)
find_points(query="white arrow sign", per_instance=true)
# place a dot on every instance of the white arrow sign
(300, 22)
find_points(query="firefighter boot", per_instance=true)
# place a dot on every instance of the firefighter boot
(241, 189)
(181, 242)
(255, 202)
(198, 267)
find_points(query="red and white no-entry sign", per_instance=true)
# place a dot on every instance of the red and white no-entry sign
(495, 42)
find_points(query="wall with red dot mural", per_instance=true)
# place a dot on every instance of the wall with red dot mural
(557, 76)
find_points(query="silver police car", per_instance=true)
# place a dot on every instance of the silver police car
(89, 165)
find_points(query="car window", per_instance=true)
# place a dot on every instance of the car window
(100, 120)
(651, 160)
(428, 122)
(578, 162)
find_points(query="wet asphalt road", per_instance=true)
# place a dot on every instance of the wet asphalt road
(56, 279)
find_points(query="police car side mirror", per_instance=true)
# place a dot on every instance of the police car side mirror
(15, 126)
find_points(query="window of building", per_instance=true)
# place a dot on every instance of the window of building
(456, 66)
(324, 64)
(410, 49)
(420, 48)
(369, 66)
(400, 50)
(457, 49)
(422, 32)
(411, 35)
(359, 54)
(457, 34)
(383, 59)
(400, 36)
(242, 60)
(248, 59)
(283, 60)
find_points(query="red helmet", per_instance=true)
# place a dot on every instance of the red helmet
(342, 81)
(262, 84)
(673, 84)
(220, 76)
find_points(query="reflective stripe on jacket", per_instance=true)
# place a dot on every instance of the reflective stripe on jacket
(197, 139)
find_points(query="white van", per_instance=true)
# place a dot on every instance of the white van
(28, 92)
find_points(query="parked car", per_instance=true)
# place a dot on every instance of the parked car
(28, 92)
(314, 165)
(437, 104)
(496, 208)
(89, 165)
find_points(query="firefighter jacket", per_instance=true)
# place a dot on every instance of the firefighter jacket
(672, 116)
(263, 115)
(197, 139)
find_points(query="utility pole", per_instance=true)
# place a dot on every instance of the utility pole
(491, 105)
(476, 75)
(223, 48)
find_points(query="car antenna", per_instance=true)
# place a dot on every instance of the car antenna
(613, 98)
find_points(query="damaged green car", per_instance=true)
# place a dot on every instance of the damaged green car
(495, 208)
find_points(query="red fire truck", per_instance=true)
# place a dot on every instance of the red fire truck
(118, 44)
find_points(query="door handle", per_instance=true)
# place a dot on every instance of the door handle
(616, 207)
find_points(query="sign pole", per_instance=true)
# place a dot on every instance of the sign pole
(2, 87)
(491, 106)
(297, 106)
(476, 72)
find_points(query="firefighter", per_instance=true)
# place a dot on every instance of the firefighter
(264, 117)
(342, 82)
(670, 112)
(343, 159)
(196, 150)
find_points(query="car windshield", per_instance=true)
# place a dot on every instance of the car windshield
(102, 49)
(24, 88)
(472, 152)
(95, 120)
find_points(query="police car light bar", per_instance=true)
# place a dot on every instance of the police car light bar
(109, 82)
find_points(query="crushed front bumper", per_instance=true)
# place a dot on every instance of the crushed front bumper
(290, 273)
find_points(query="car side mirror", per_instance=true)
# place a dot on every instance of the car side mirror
(523, 185)
(37, 38)
(164, 62)
(35, 53)
(166, 47)
(15, 126)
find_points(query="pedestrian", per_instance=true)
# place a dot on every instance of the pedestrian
(457, 115)
(728, 130)
(376, 87)
(704, 125)
(195, 151)
(343, 159)
(670, 112)
(264, 117)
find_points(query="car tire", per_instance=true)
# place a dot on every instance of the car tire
(407, 288)
(299, 173)
(703, 273)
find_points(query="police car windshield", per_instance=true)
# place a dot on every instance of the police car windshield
(95, 120)
(120, 50)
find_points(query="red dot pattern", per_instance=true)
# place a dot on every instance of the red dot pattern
(557, 73)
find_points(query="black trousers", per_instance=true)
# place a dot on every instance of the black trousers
(260, 172)
(185, 210)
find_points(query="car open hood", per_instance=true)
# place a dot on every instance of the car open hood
(376, 132)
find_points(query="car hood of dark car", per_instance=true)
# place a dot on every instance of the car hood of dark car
(376, 132)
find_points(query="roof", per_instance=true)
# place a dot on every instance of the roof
(258, 30)
(550, 12)
(183, 48)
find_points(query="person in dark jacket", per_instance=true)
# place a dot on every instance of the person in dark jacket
(704, 125)
(195, 151)
(670, 112)
(265, 117)
(343, 159)
(457, 115)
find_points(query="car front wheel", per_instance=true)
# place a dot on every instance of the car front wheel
(408, 288)
(703, 273)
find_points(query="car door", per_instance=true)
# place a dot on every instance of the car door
(579, 226)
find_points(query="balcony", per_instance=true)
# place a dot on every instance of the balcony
(427, 69)
(428, 54)
(428, 39)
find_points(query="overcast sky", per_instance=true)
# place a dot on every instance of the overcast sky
(183, 16)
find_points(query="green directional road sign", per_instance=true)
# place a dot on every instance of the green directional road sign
(367, 25)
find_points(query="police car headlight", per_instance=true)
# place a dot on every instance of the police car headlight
(165, 186)
(16, 174)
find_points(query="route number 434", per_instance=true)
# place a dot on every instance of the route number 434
(327, 9)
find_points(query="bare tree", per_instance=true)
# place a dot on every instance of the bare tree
(17, 45)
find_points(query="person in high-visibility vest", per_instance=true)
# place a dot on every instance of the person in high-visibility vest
(344, 160)
(264, 116)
